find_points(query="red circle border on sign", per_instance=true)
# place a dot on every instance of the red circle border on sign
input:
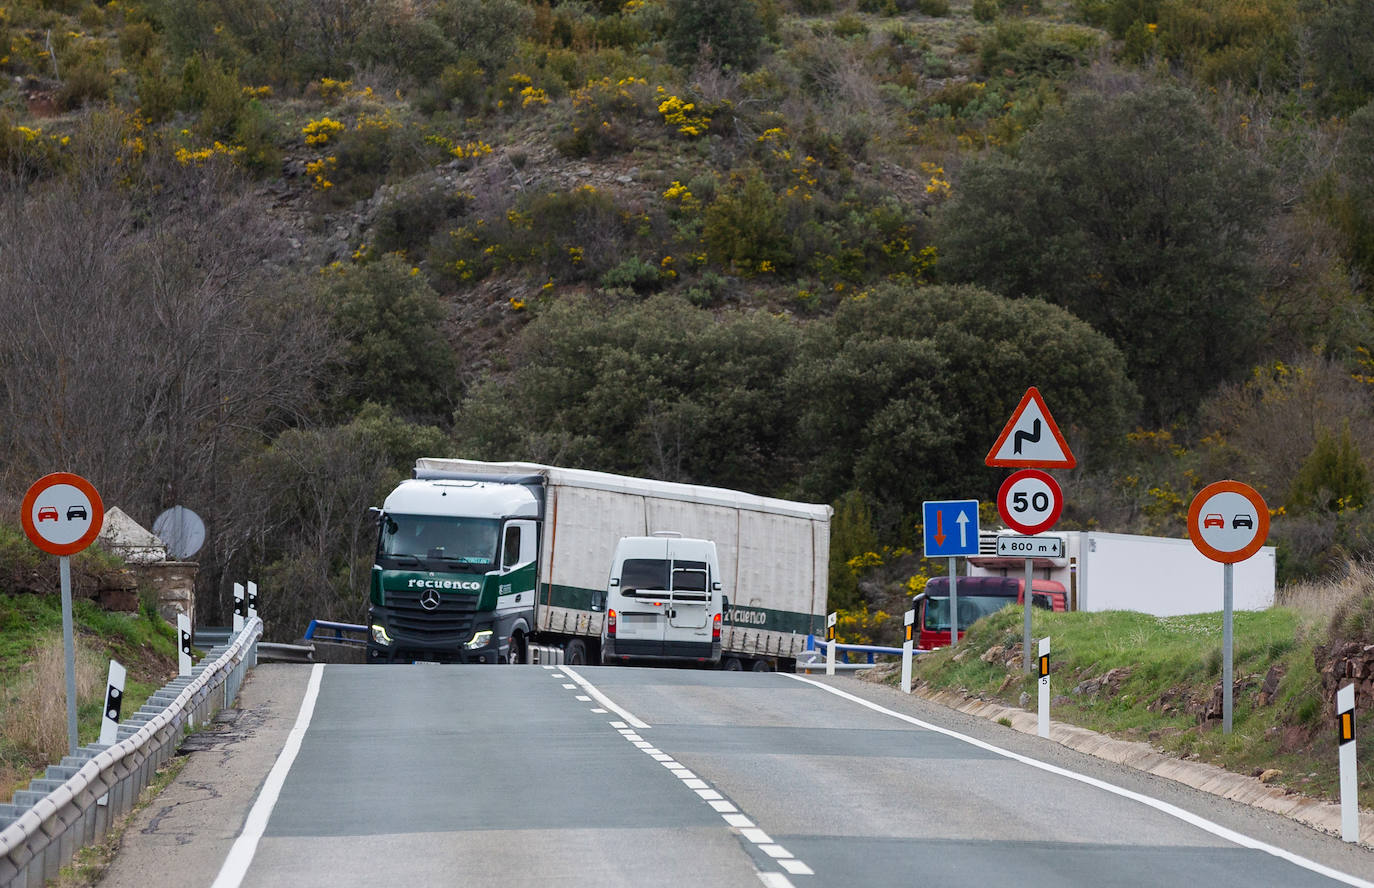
(1030, 529)
(1261, 511)
(81, 484)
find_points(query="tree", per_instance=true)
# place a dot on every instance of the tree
(657, 388)
(725, 32)
(901, 395)
(394, 350)
(1133, 213)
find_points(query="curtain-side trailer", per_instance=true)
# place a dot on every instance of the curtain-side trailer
(478, 561)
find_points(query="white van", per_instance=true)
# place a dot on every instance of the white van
(664, 601)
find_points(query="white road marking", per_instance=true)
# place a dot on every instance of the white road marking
(1188, 817)
(240, 856)
(569, 687)
(703, 789)
(583, 698)
(604, 700)
(796, 867)
(599, 711)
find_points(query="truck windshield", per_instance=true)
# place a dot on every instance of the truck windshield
(466, 541)
(971, 608)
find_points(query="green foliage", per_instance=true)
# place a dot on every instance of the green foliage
(744, 227)
(395, 352)
(633, 273)
(897, 392)
(1031, 50)
(1349, 193)
(1134, 214)
(654, 388)
(986, 11)
(727, 33)
(413, 215)
(1334, 477)
(851, 535)
(1341, 52)
(485, 31)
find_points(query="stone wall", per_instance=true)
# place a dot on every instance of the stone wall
(175, 584)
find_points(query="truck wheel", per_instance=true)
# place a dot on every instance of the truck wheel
(763, 666)
(731, 664)
(575, 653)
(515, 654)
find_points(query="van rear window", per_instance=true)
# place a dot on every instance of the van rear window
(654, 573)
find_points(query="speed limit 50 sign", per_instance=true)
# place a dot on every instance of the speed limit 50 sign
(1030, 501)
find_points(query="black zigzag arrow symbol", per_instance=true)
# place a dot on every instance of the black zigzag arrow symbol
(1033, 437)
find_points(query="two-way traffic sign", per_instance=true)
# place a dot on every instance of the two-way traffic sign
(951, 528)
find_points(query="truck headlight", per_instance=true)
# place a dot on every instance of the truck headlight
(480, 640)
(379, 634)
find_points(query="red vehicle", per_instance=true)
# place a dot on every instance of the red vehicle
(978, 597)
(48, 513)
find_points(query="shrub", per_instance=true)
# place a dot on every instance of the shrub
(635, 274)
(86, 81)
(744, 227)
(727, 33)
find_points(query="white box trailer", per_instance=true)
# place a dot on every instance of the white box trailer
(545, 581)
(1154, 575)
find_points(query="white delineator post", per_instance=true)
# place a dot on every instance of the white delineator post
(1350, 802)
(1044, 661)
(252, 599)
(830, 643)
(910, 620)
(240, 607)
(183, 644)
(109, 719)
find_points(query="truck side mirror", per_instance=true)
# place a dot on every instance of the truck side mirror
(598, 601)
(724, 605)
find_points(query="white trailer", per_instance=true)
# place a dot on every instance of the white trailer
(1154, 575)
(773, 554)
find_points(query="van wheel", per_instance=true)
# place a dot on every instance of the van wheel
(575, 653)
(732, 664)
(763, 666)
(515, 654)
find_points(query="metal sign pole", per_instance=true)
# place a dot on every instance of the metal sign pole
(953, 603)
(64, 569)
(1026, 624)
(1226, 681)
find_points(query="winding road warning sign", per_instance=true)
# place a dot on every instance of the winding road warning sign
(1031, 439)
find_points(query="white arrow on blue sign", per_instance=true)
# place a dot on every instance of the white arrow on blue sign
(951, 528)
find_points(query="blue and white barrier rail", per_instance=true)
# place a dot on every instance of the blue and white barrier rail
(819, 647)
(327, 632)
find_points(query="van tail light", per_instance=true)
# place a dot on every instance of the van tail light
(610, 623)
(715, 628)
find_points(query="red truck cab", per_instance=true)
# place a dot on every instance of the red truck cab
(978, 597)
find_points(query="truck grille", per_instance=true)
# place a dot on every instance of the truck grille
(449, 623)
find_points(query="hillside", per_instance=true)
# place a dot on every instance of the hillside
(810, 248)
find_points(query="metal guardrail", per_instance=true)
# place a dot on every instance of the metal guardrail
(273, 652)
(47, 824)
(334, 633)
(814, 656)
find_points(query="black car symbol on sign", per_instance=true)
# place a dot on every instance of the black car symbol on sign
(76, 512)
(1243, 521)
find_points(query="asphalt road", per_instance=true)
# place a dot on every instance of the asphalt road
(449, 775)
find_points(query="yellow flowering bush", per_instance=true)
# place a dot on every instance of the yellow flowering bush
(683, 115)
(319, 132)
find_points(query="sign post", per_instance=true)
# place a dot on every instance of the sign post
(948, 534)
(909, 618)
(1228, 522)
(1030, 501)
(62, 514)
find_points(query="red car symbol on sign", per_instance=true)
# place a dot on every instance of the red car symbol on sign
(1213, 520)
(48, 513)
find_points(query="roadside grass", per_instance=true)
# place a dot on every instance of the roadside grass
(1155, 679)
(33, 713)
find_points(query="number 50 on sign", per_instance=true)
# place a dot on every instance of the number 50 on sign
(1030, 501)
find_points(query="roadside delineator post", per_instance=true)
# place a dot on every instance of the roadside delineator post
(240, 608)
(830, 643)
(1350, 803)
(183, 645)
(114, 704)
(1044, 713)
(910, 620)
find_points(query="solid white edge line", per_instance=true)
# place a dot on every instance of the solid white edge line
(240, 856)
(604, 700)
(1188, 817)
